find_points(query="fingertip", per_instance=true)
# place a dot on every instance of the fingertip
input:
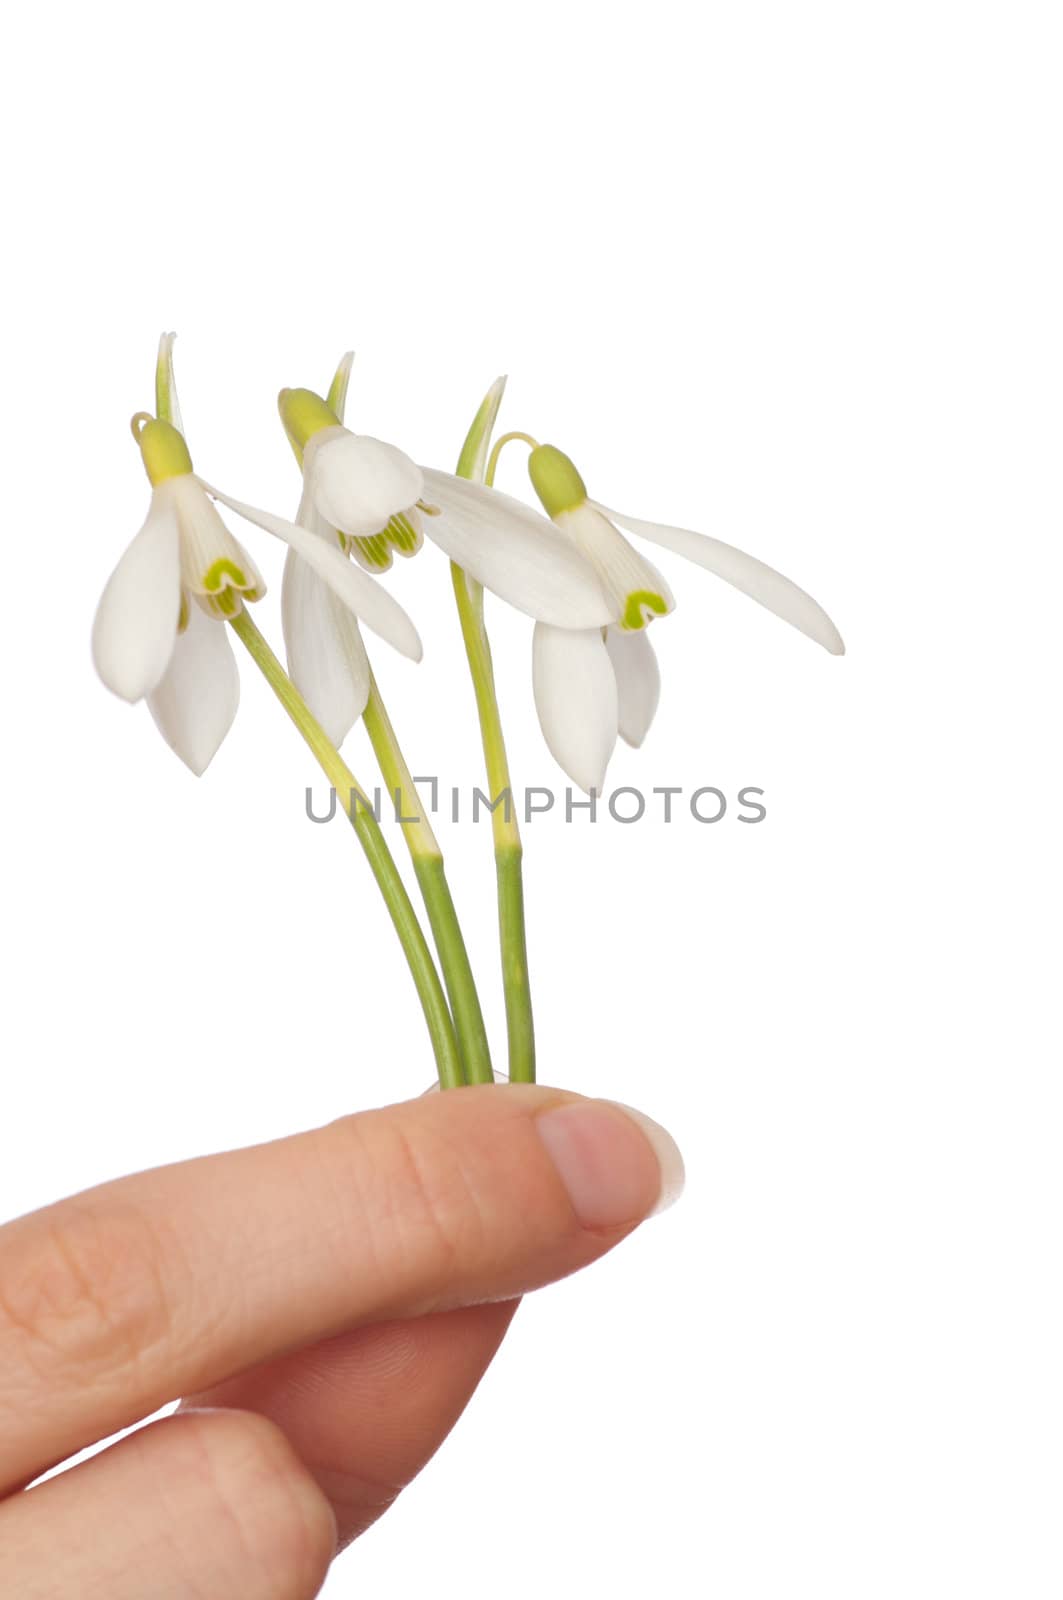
(617, 1165)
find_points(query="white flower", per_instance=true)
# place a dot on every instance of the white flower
(591, 685)
(327, 661)
(157, 633)
(374, 501)
(591, 593)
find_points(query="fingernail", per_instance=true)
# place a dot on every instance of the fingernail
(617, 1165)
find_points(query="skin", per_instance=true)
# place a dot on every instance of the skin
(326, 1304)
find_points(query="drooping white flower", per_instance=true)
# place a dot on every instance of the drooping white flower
(373, 501)
(382, 502)
(327, 660)
(591, 686)
(156, 634)
(591, 593)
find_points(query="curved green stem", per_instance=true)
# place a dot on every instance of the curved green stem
(382, 864)
(427, 861)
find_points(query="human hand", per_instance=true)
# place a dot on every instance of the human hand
(327, 1304)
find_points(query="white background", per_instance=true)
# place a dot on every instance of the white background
(788, 273)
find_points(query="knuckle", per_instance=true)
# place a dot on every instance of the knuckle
(272, 1511)
(85, 1291)
(419, 1199)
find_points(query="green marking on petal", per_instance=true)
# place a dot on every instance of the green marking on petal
(640, 602)
(374, 551)
(224, 573)
(183, 614)
(224, 588)
(403, 535)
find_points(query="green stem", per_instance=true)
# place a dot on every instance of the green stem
(427, 861)
(474, 464)
(382, 864)
(508, 849)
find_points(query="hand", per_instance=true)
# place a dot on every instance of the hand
(327, 1303)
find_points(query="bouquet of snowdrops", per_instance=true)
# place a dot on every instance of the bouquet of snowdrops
(162, 634)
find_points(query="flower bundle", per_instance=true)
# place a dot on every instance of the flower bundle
(185, 583)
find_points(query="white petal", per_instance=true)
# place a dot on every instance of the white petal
(369, 601)
(358, 484)
(514, 552)
(576, 698)
(326, 657)
(638, 681)
(308, 516)
(762, 583)
(196, 701)
(136, 620)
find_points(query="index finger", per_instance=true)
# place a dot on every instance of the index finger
(129, 1295)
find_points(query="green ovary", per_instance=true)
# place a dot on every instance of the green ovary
(303, 414)
(555, 480)
(163, 450)
(638, 603)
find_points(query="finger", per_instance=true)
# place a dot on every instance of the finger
(367, 1410)
(212, 1504)
(132, 1294)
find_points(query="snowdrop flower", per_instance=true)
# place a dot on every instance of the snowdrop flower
(157, 634)
(373, 501)
(592, 684)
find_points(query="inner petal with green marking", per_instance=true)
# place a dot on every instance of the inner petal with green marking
(402, 534)
(215, 569)
(225, 585)
(641, 606)
(635, 587)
